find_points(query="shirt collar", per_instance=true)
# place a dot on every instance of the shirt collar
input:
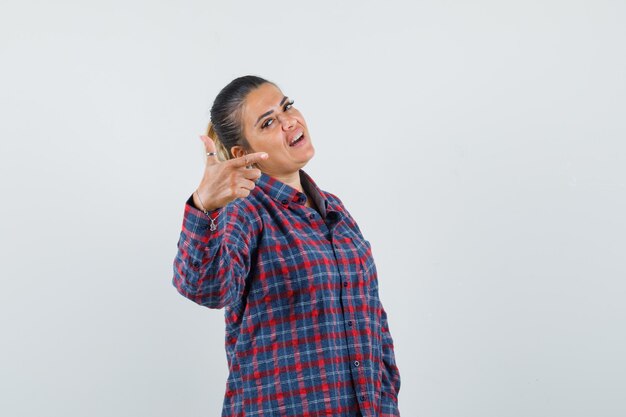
(285, 194)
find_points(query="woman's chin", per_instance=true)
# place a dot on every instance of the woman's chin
(310, 153)
(308, 157)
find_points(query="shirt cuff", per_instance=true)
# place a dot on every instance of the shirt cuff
(202, 227)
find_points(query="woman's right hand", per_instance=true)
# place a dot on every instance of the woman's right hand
(225, 181)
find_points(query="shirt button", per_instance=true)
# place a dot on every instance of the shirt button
(311, 216)
(285, 202)
(350, 323)
(345, 284)
(357, 363)
(362, 397)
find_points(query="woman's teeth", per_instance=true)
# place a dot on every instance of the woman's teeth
(296, 139)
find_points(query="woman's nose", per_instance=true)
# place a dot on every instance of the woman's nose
(287, 122)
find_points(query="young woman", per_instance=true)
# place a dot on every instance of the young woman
(306, 334)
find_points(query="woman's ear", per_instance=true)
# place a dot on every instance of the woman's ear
(237, 151)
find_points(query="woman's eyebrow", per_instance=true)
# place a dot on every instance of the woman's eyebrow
(267, 113)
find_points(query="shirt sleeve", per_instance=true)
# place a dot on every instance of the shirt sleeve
(391, 374)
(211, 266)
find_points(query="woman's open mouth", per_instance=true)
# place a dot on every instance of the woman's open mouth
(299, 138)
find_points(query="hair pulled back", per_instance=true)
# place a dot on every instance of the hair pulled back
(226, 126)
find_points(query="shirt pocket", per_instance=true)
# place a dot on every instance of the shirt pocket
(367, 273)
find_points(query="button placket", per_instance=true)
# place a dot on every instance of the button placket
(351, 277)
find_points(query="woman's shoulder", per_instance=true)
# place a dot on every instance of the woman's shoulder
(331, 197)
(334, 202)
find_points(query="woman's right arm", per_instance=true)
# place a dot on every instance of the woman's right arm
(211, 265)
(214, 245)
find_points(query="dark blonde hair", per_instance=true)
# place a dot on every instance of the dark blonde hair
(226, 126)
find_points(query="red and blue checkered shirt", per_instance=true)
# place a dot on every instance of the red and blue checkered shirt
(306, 333)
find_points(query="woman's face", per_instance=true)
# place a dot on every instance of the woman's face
(271, 124)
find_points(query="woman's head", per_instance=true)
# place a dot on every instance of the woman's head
(226, 128)
(250, 115)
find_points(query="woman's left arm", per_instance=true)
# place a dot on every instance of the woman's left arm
(391, 374)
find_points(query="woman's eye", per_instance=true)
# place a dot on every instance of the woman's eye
(268, 122)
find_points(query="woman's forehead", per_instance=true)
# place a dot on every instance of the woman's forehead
(262, 99)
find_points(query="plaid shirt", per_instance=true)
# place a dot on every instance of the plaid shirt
(306, 333)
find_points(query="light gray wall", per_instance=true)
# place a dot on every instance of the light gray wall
(479, 144)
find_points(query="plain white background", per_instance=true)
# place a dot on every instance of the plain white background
(480, 146)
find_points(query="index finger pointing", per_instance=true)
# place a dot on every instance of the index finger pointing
(249, 159)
